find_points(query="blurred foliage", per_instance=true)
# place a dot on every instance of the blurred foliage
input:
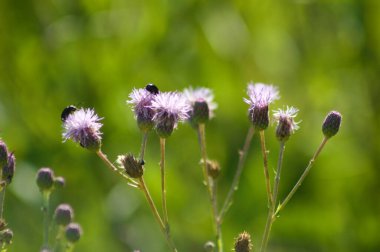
(323, 55)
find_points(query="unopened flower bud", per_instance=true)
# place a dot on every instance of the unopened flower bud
(259, 117)
(243, 243)
(59, 182)
(9, 169)
(213, 168)
(3, 154)
(200, 113)
(45, 179)
(331, 124)
(209, 246)
(6, 236)
(63, 214)
(132, 166)
(73, 232)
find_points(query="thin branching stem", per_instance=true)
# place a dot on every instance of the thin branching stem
(143, 145)
(109, 164)
(266, 171)
(302, 178)
(45, 211)
(235, 183)
(271, 209)
(211, 186)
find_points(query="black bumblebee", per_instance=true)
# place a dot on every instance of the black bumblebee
(67, 111)
(153, 89)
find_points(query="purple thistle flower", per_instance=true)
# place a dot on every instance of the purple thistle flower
(201, 103)
(169, 109)
(83, 127)
(141, 100)
(285, 122)
(260, 96)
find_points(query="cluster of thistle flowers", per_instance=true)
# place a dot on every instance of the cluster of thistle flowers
(162, 111)
(63, 230)
(8, 166)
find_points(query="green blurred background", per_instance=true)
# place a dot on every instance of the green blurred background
(323, 55)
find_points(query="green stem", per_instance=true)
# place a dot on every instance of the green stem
(103, 157)
(2, 198)
(143, 145)
(59, 239)
(46, 210)
(266, 171)
(69, 247)
(211, 186)
(271, 216)
(302, 178)
(235, 183)
(163, 185)
(156, 214)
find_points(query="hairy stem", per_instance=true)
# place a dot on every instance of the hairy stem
(302, 178)
(271, 216)
(2, 198)
(266, 171)
(211, 186)
(143, 145)
(235, 183)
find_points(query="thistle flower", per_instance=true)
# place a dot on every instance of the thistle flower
(45, 179)
(331, 124)
(260, 96)
(201, 103)
(9, 169)
(73, 232)
(285, 122)
(3, 153)
(63, 214)
(141, 100)
(131, 165)
(83, 127)
(169, 109)
(243, 243)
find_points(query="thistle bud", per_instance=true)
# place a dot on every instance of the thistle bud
(285, 123)
(59, 182)
(6, 236)
(63, 214)
(45, 179)
(209, 246)
(73, 232)
(243, 243)
(3, 154)
(132, 166)
(259, 117)
(9, 169)
(165, 128)
(201, 112)
(213, 168)
(331, 124)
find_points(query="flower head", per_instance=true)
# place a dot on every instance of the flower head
(9, 169)
(243, 243)
(131, 165)
(3, 153)
(63, 214)
(201, 103)
(83, 127)
(73, 232)
(260, 96)
(331, 124)
(169, 109)
(285, 122)
(141, 100)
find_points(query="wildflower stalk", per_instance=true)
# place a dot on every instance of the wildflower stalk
(2, 198)
(143, 145)
(302, 178)
(211, 186)
(163, 185)
(45, 210)
(235, 183)
(271, 215)
(156, 214)
(266, 171)
(59, 239)
(103, 157)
